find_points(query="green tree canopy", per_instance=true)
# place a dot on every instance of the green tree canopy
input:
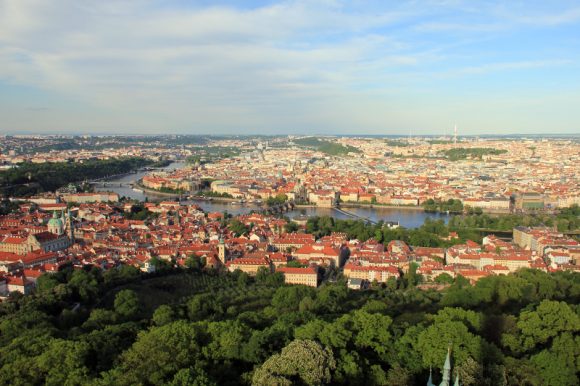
(127, 303)
(302, 360)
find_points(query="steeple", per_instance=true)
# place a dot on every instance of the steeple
(456, 380)
(70, 226)
(222, 250)
(447, 369)
(430, 381)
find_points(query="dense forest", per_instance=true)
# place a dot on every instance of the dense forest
(30, 178)
(194, 327)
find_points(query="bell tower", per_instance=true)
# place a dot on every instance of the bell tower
(222, 251)
(70, 227)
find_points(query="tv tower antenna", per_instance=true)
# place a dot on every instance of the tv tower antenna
(455, 135)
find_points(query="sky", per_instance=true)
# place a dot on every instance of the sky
(289, 67)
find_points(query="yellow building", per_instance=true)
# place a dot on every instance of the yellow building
(305, 276)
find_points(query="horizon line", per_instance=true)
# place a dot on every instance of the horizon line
(106, 134)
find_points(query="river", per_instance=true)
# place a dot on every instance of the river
(408, 218)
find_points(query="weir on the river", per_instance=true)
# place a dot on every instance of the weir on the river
(356, 216)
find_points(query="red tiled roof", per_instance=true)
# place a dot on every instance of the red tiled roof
(14, 240)
(298, 271)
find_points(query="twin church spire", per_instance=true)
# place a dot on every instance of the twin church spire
(446, 381)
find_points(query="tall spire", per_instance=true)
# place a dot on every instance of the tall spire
(70, 226)
(222, 250)
(447, 369)
(456, 380)
(430, 381)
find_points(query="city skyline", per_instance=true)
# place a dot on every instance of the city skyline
(291, 67)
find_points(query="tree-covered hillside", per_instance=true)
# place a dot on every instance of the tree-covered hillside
(330, 148)
(31, 178)
(474, 152)
(187, 327)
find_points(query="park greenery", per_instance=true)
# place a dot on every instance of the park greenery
(165, 189)
(31, 178)
(238, 227)
(439, 142)
(139, 212)
(276, 200)
(194, 326)
(568, 219)
(461, 153)
(451, 206)
(208, 154)
(432, 233)
(396, 143)
(435, 233)
(7, 207)
(327, 147)
(209, 193)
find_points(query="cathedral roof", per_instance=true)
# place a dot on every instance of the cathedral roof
(55, 220)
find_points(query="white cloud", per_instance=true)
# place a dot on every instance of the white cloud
(140, 62)
(214, 55)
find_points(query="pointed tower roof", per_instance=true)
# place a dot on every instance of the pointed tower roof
(447, 365)
(447, 369)
(456, 380)
(430, 381)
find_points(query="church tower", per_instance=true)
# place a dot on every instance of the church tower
(70, 227)
(222, 251)
(430, 381)
(447, 369)
(446, 381)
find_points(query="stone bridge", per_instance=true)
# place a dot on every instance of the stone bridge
(109, 184)
(279, 208)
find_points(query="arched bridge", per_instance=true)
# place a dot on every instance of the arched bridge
(279, 208)
(109, 184)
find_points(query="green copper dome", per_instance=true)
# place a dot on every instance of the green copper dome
(55, 221)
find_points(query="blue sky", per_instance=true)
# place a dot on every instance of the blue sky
(289, 67)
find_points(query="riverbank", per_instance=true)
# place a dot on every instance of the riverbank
(120, 175)
(156, 192)
(379, 206)
(219, 199)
